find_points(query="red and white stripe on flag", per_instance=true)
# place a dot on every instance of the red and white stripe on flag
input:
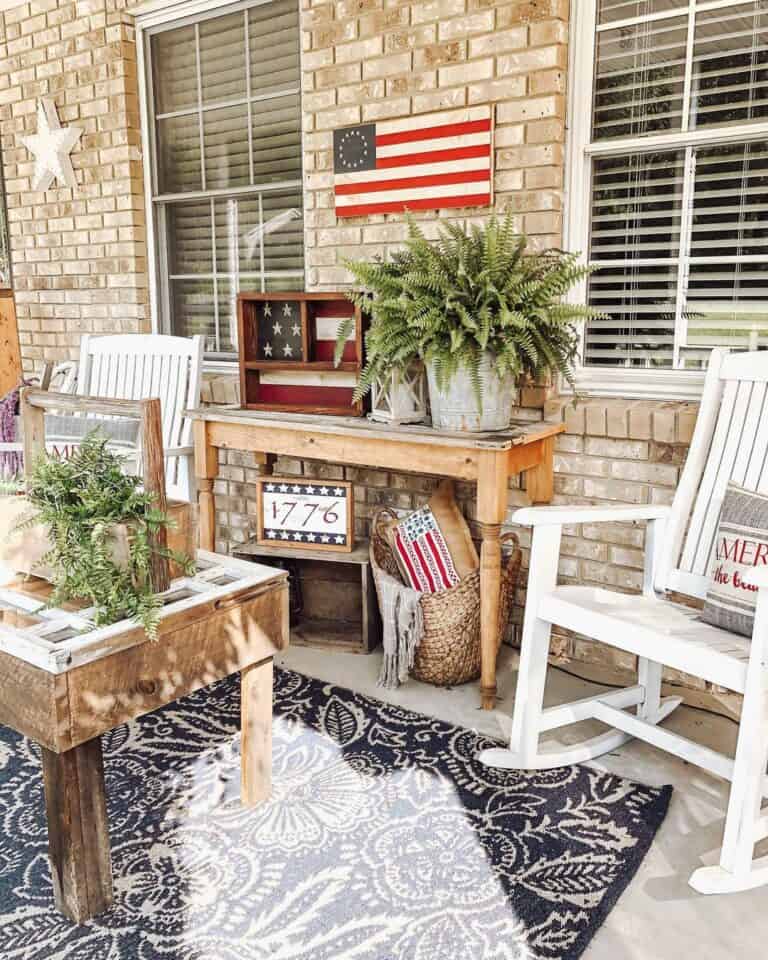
(425, 162)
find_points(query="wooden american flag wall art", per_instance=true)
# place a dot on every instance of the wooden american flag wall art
(415, 163)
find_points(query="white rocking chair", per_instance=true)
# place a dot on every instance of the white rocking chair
(730, 443)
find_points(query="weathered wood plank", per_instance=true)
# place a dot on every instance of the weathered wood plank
(107, 692)
(78, 831)
(10, 355)
(29, 701)
(256, 733)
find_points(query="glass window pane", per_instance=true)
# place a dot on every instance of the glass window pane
(640, 73)
(609, 11)
(635, 224)
(276, 139)
(174, 69)
(227, 298)
(284, 247)
(730, 65)
(225, 138)
(222, 58)
(273, 36)
(190, 240)
(727, 298)
(178, 154)
(192, 310)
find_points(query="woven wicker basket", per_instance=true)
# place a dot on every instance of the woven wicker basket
(449, 652)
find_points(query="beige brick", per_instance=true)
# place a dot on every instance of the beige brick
(402, 40)
(439, 100)
(360, 50)
(499, 41)
(438, 54)
(465, 73)
(436, 10)
(480, 22)
(509, 87)
(387, 66)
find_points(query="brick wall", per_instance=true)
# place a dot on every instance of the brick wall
(367, 60)
(78, 255)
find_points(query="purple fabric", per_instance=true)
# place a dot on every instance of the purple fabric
(11, 463)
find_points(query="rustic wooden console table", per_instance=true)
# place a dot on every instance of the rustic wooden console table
(488, 459)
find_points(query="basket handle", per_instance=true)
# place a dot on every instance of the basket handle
(378, 518)
(515, 553)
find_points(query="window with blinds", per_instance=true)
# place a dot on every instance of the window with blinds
(226, 142)
(678, 207)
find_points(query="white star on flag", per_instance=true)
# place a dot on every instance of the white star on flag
(270, 486)
(296, 330)
(287, 350)
(311, 537)
(267, 310)
(267, 349)
(286, 309)
(339, 539)
(297, 536)
(309, 489)
(271, 534)
(296, 488)
(325, 539)
(283, 488)
(276, 329)
(324, 491)
(338, 492)
(51, 147)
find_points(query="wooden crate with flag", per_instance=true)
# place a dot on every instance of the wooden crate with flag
(287, 345)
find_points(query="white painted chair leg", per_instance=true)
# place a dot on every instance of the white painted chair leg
(534, 648)
(649, 677)
(737, 870)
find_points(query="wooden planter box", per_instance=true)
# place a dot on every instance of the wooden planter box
(22, 551)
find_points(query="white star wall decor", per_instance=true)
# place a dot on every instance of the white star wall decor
(51, 146)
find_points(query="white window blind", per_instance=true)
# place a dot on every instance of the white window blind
(226, 137)
(678, 173)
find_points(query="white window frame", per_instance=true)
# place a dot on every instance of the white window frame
(669, 384)
(149, 15)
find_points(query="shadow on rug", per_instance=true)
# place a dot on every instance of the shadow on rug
(384, 840)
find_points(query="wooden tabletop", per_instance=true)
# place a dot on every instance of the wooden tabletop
(520, 433)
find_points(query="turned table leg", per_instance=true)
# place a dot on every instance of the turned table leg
(256, 733)
(206, 470)
(491, 512)
(78, 832)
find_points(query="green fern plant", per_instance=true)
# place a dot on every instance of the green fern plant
(469, 293)
(79, 501)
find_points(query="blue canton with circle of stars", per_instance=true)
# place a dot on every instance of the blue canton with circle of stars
(279, 332)
(354, 148)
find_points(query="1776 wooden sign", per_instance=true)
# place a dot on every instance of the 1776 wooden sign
(311, 515)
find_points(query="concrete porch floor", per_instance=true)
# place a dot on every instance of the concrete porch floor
(659, 917)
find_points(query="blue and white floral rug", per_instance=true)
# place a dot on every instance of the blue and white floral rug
(384, 840)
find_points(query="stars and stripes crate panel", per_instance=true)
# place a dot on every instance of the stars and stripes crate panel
(424, 162)
(307, 514)
(273, 377)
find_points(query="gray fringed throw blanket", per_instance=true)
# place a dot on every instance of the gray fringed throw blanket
(403, 626)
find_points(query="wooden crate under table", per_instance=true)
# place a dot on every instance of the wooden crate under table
(340, 606)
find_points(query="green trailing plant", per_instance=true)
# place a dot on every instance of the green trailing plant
(466, 294)
(79, 501)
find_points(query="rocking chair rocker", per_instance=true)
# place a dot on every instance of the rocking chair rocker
(730, 443)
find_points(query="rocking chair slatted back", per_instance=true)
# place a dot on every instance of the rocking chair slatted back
(130, 367)
(730, 443)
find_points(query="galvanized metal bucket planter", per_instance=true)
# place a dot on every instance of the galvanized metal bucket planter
(455, 407)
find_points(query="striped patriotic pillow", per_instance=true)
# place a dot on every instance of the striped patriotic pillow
(422, 553)
(741, 545)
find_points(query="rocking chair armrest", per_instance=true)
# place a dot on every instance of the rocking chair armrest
(560, 516)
